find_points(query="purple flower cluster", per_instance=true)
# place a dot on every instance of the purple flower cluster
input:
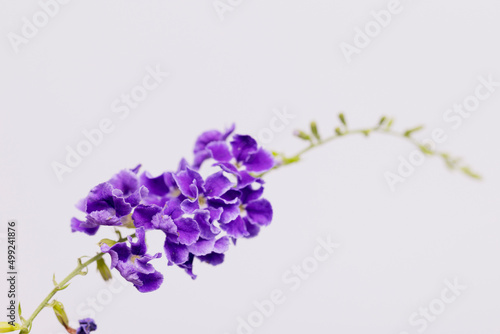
(199, 216)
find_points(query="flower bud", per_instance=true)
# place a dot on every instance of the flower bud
(301, 135)
(103, 269)
(314, 130)
(6, 327)
(58, 308)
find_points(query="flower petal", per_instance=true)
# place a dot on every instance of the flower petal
(235, 228)
(220, 151)
(157, 185)
(102, 217)
(76, 226)
(243, 146)
(188, 230)
(150, 282)
(139, 247)
(202, 247)
(176, 253)
(216, 185)
(261, 161)
(185, 179)
(143, 216)
(207, 230)
(253, 229)
(188, 266)
(260, 212)
(126, 180)
(221, 245)
(212, 258)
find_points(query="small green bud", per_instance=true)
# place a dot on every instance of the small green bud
(408, 133)
(58, 308)
(382, 121)
(338, 131)
(6, 327)
(426, 150)
(291, 160)
(314, 130)
(302, 135)
(103, 269)
(470, 173)
(342, 119)
(389, 124)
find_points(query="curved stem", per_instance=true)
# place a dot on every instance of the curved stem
(57, 288)
(452, 163)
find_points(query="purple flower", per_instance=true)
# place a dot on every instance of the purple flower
(247, 153)
(133, 263)
(244, 151)
(109, 203)
(212, 144)
(86, 326)
(179, 234)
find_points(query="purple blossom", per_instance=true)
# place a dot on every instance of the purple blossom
(109, 203)
(212, 143)
(198, 214)
(133, 263)
(86, 326)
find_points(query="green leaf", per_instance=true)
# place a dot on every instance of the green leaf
(19, 311)
(80, 262)
(314, 130)
(106, 241)
(104, 270)
(408, 133)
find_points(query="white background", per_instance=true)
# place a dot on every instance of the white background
(396, 249)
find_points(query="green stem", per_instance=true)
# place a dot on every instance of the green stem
(63, 284)
(452, 163)
(59, 287)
